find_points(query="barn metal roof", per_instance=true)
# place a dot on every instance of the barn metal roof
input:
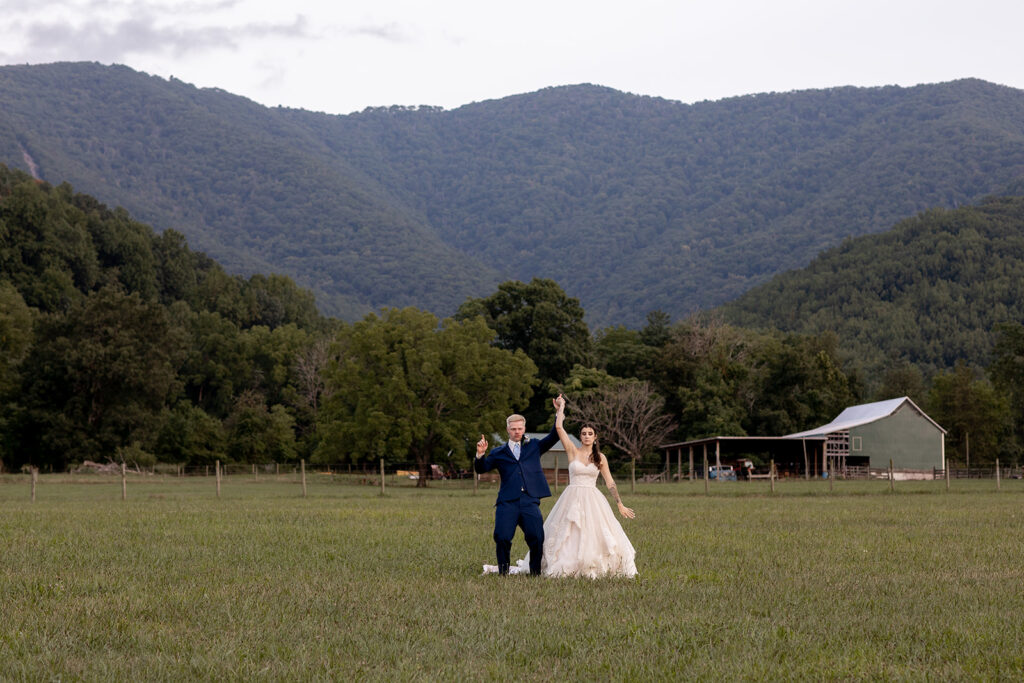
(855, 416)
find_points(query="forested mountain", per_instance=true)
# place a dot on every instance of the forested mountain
(930, 292)
(120, 343)
(114, 337)
(243, 184)
(630, 203)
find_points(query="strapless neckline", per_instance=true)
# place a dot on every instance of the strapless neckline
(583, 473)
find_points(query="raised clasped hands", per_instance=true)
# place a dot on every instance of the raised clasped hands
(559, 403)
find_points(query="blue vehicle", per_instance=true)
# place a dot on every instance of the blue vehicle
(723, 473)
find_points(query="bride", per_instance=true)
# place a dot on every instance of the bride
(581, 535)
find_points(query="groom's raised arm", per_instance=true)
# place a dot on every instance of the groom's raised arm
(549, 440)
(480, 462)
(552, 437)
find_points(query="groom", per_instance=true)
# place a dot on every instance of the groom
(523, 484)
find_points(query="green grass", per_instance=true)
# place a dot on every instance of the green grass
(262, 583)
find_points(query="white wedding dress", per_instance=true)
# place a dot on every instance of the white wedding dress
(582, 537)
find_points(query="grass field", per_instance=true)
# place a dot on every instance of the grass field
(262, 583)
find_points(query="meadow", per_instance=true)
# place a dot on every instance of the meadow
(346, 583)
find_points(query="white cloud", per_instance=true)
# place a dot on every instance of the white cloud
(107, 40)
(392, 32)
(343, 56)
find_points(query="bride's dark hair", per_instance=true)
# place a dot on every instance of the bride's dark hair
(595, 450)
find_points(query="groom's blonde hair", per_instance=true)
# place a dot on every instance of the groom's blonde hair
(514, 418)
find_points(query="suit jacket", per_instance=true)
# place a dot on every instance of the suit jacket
(519, 477)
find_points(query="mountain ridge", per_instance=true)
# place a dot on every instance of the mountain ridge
(632, 203)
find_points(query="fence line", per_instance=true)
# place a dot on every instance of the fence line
(647, 473)
(406, 475)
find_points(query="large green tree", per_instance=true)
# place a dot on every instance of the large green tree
(1007, 374)
(99, 377)
(188, 435)
(541, 320)
(976, 416)
(721, 379)
(256, 434)
(404, 385)
(15, 342)
(799, 384)
(704, 373)
(621, 352)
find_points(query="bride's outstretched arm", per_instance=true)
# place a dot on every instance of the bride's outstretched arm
(610, 483)
(563, 436)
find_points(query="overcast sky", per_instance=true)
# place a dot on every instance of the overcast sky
(341, 56)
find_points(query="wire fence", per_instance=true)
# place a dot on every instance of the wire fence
(408, 475)
(363, 473)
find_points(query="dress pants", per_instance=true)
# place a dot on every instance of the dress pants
(524, 513)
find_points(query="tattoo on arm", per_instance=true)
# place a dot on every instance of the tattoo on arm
(615, 492)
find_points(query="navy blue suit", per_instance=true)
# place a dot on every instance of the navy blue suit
(523, 484)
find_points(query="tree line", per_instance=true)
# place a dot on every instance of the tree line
(117, 343)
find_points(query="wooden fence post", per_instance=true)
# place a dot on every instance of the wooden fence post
(998, 487)
(382, 476)
(679, 465)
(705, 469)
(771, 474)
(124, 483)
(947, 475)
(807, 463)
(302, 464)
(35, 479)
(967, 444)
(217, 474)
(892, 478)
(718, 461)
(692, 473)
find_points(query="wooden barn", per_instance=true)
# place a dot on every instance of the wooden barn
(860, 439)
(872, 434)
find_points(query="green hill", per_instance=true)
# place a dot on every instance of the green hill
(631, 203)
(244, 185)
(114, 337)
(928, 292)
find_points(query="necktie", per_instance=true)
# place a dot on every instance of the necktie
(515, 449)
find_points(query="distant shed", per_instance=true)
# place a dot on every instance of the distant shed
(871, 434)
(861, 437)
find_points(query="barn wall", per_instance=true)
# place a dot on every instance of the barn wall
(907, 437)
(547, 460)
